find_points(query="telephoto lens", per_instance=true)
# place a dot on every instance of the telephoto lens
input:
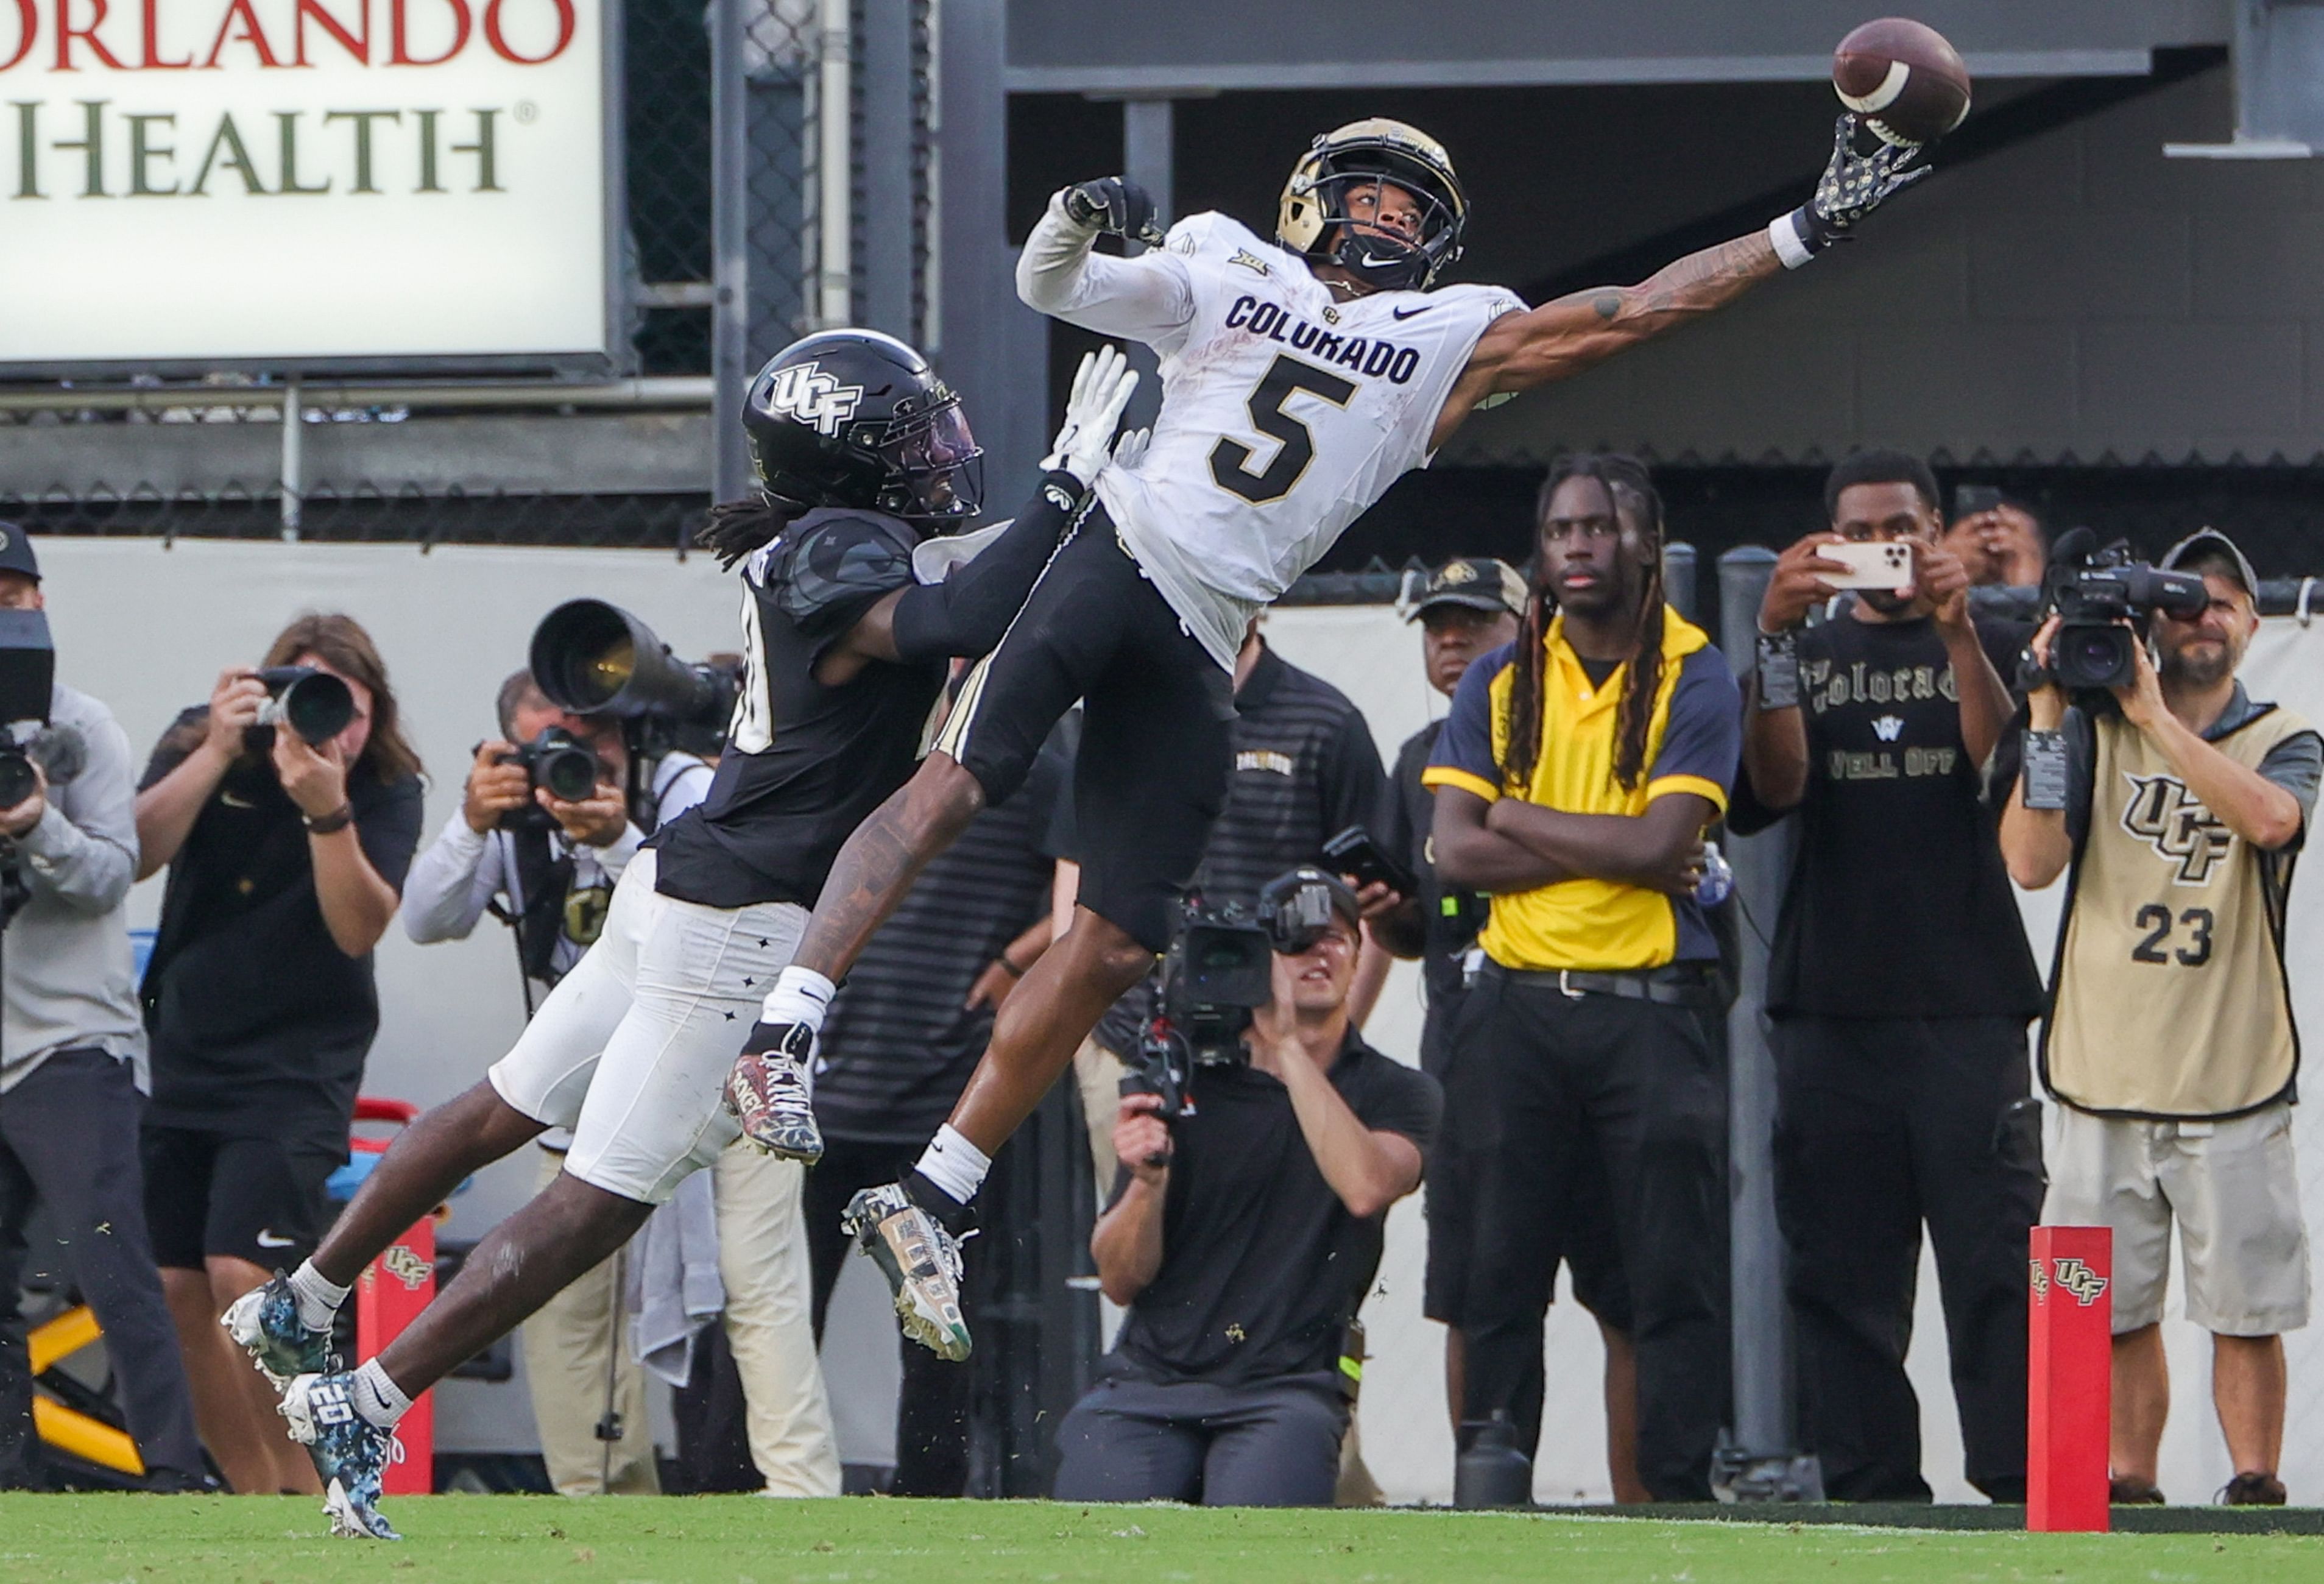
(315, 705)
(17, 781)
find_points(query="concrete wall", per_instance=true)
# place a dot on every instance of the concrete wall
(2078, 296)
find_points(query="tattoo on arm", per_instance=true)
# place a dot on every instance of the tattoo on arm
(1704, 281)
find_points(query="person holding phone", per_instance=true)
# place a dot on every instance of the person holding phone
(2000, 541)
(1900, 988)
(286, 862)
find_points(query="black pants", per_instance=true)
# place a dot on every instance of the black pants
(69, 1141)
(1268, 1444)
(1641, 1082)
(932, 1405)
(1881, 1125)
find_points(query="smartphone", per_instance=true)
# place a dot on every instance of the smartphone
(1884, 563)
(1969, 499)
(1354, 853)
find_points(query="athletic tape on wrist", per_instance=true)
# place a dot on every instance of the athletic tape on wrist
(1783, 236)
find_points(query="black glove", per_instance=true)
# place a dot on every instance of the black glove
(1114, 204)
(1854, 185)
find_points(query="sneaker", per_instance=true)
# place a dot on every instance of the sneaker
(921, 1261)
(350, 1451)
(2121, 1492)
(2254, 1489)
(265, 1321)
(768, 1092)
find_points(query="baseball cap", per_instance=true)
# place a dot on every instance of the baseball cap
(1478, 581)
(16, 552)
(2211, 541)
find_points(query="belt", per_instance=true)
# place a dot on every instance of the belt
(1673, 985)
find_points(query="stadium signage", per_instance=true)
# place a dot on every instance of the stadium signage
(294, 183)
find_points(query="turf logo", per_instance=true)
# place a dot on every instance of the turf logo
(406, 1266)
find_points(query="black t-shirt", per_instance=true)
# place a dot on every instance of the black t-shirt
(1305, 769)
(1449, 920)
(1898, 905)
(804, 764)
(259, 1023)
(1261, 1262)
(901, 1040)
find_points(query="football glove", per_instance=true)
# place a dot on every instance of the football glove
(1101, 388)
(1114, 204)
(1855, 184)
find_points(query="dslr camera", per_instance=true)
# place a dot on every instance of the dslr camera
(557, 761)
(315, 705)
(1219, 969)
(2104, 598)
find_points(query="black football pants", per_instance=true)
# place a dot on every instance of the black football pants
(1640, 1080)
(1884, 1124)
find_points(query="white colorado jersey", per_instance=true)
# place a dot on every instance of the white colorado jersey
(1285, 413)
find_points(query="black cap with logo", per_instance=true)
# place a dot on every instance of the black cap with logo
(1478, 581)
(16, 552)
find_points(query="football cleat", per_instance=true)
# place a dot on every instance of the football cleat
(265, 1322)
(349, 1452)
(768, 1095)
(921, 1261)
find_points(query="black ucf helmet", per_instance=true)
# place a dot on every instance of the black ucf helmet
(852, 417)
(1312, 220)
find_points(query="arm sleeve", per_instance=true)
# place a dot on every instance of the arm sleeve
(84, 850)
(389, 831)
(1703, 737)
(183, 736)
(967, 613)
(1148, 299)
(1465, 749)
(449, 886)
(2296, 764)
(1354, 785)
(1409, 1103)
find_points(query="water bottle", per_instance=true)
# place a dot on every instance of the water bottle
(1718, 881)
(1493, 1472)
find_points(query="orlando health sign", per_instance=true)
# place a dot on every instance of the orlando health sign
(287, 182)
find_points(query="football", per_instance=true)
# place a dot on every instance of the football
(1903, 78)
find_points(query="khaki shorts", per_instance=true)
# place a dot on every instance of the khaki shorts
(2235, 1191)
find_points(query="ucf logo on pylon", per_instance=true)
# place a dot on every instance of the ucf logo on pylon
(2163, 815)
(2072, 1275)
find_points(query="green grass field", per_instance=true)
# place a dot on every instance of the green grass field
(501, 1540)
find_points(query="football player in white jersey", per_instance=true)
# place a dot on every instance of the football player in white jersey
(1300, 378)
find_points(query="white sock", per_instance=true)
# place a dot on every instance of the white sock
(318, 1301)
(955, 1165)
(377, 1398)
(800, 995)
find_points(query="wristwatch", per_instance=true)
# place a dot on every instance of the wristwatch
(338, 819)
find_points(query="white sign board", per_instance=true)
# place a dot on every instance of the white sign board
(271, 183)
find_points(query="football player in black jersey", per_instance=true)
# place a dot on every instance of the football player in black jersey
(852, 608)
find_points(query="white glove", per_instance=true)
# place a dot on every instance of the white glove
(1101, 388)
(1131, 449)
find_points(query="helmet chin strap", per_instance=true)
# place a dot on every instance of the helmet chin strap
(1383, 263)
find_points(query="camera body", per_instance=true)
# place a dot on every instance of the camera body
(2103, 599)
(557, 761)
(310, 701)
(1219, 969)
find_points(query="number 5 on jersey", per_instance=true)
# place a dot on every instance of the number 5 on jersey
(1230, 459)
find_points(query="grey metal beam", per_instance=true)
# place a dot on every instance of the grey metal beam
(884, 261)
(730, 471)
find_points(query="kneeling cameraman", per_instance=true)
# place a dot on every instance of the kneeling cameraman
(1242, 1238)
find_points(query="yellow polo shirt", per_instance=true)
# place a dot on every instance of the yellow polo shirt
(1694, 740)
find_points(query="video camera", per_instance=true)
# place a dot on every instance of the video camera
(594, 659)
(28, 670)
(1219, 969)
(558, 762)
(2103, 598)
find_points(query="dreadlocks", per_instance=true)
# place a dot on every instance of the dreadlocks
(737, 528)
(1632, 490)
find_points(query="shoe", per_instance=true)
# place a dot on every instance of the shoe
(2133, 1493)
(348, 1450)
(2254, 1489)
(768, 1094)
(921, 1261)
(265, 1321)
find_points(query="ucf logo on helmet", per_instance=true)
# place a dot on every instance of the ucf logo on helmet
(805, 393)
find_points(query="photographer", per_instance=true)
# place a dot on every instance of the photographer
(548, 866)
(71, 1047)
(1242, 1239)
(2181, 804)
(1899, 991)
(285, 862)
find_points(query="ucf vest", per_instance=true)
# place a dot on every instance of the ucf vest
(2171, 995)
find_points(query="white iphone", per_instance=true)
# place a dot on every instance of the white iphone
(1881, 563)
